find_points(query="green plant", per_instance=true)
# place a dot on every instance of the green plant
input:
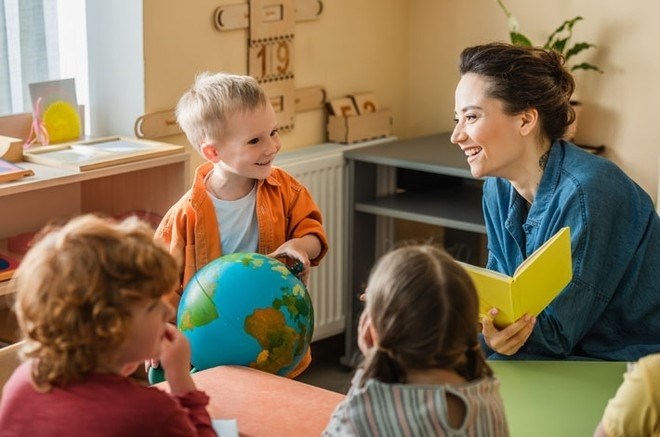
(559, 40)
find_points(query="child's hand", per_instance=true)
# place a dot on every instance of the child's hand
(175, 360)
(148, 364)
(295, 249)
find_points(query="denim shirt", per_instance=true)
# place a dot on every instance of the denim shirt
(611, 308)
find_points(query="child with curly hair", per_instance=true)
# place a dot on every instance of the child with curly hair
(90, 305)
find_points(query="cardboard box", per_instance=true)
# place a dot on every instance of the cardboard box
(348, 130)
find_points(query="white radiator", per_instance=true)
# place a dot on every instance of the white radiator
(321, 170)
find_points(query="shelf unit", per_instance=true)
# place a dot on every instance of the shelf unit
(26, 205)
(451, 200)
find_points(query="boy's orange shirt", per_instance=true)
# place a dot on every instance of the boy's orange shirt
(285, 210)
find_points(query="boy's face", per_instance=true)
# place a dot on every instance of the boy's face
(249, 144)
(147, 331)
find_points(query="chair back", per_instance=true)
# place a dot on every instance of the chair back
(8, 362)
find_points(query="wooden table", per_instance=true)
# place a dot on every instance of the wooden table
(264, 404)
(556, 398)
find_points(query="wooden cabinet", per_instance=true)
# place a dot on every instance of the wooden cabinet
(26, 205)
(439, 190)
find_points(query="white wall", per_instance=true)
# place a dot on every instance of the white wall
(116, 65)
(619, 105)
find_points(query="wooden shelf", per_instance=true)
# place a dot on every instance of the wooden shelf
(48, 177)
(456, 208)
(150, 185)
(9, 332)
(440, 191)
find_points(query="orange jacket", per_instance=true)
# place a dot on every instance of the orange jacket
(285, 210)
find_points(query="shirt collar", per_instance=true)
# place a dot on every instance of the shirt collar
(551, 175)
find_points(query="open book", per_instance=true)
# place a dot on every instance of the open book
(533, 286)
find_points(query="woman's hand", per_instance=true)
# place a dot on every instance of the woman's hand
(509, 340)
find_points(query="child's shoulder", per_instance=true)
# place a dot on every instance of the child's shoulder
(651, 363)
(280, 173)
(282, 177)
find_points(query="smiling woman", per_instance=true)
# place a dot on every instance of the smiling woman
(512, 109)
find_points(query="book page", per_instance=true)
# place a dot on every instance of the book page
(537, 253)
(225, 427)
(541, 280)
(494, 290)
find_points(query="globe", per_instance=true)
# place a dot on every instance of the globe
(246, 309)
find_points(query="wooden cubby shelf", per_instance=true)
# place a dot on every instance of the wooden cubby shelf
(148, 186)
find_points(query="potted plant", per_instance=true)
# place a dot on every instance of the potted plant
(560, 41)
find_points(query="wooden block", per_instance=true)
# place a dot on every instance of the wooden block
(10, 171)
(11, 149)
(282, 96)
(308, 98)
(308, 9)
(365, 102)
(348, 130)
(271, 60)
(271, 19)
(156, 125)
(230, 17)
(343, 107)
(163, 123)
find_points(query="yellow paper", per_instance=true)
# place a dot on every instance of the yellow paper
(62, 122)
(535, 283)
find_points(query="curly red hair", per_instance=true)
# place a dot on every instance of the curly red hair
(75, 288)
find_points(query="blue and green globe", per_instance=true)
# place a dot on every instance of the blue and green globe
(246, 309)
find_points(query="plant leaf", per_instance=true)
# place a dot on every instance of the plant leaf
(586, 66)
(577, 48)
(519, 39)
(566, 26)
(558, 45)
(571, 23)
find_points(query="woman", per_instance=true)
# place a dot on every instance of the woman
(512, 108)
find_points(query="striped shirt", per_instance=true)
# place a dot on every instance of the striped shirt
(380, 409)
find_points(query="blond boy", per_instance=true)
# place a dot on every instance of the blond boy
(239, 202)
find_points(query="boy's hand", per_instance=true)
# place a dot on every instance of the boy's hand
(295, 249)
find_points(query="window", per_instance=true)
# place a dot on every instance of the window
(40, 40)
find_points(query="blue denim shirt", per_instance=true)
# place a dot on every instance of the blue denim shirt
(611, 308)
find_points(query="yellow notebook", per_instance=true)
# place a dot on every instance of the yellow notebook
(534, 284)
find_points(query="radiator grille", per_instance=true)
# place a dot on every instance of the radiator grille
(322, 173)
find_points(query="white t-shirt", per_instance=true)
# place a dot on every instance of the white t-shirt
(237, 222)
